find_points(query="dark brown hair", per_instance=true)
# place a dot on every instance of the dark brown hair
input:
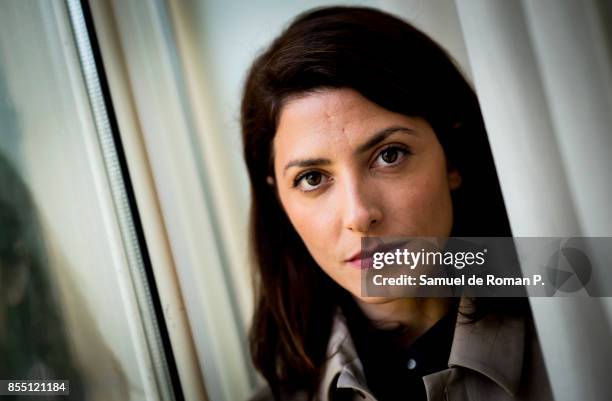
(396, 66)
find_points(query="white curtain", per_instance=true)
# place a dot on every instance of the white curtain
(543, 74)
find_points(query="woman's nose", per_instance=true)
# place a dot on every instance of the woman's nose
(362, 209)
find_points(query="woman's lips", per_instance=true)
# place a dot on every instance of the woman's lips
(359, 263)
(363, 259)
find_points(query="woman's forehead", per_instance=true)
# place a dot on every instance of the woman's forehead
(327, 109)
(324, 124)
(335, 116)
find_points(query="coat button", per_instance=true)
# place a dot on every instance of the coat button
(411, 364)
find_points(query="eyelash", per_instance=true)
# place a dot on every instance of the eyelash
(399, 148)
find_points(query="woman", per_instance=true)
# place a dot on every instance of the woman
(357, 124)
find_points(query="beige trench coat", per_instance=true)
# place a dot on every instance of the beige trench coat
(495, 359)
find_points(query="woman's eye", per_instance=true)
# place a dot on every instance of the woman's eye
(391, 156)
(309, 181)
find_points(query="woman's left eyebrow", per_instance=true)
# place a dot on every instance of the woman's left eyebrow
(381, 135)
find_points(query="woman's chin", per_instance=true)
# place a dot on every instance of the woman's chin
(372, 300)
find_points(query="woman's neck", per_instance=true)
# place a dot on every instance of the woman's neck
(414, 315)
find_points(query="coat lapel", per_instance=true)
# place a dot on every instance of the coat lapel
(493, 347)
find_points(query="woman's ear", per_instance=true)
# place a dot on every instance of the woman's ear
(454, 179)
(272, 183)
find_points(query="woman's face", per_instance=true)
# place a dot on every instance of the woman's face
(347, 168)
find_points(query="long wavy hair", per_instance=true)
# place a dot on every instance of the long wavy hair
(398, 67)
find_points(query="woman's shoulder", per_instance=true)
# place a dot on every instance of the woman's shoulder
(499, 356)
(535, 383)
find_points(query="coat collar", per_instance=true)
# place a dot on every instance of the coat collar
(343, 368)
(493, 346)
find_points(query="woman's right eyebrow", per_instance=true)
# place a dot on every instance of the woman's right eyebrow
(306, 163)
(376, 139)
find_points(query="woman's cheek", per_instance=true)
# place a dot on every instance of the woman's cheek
(312, 223)
(423, 208)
